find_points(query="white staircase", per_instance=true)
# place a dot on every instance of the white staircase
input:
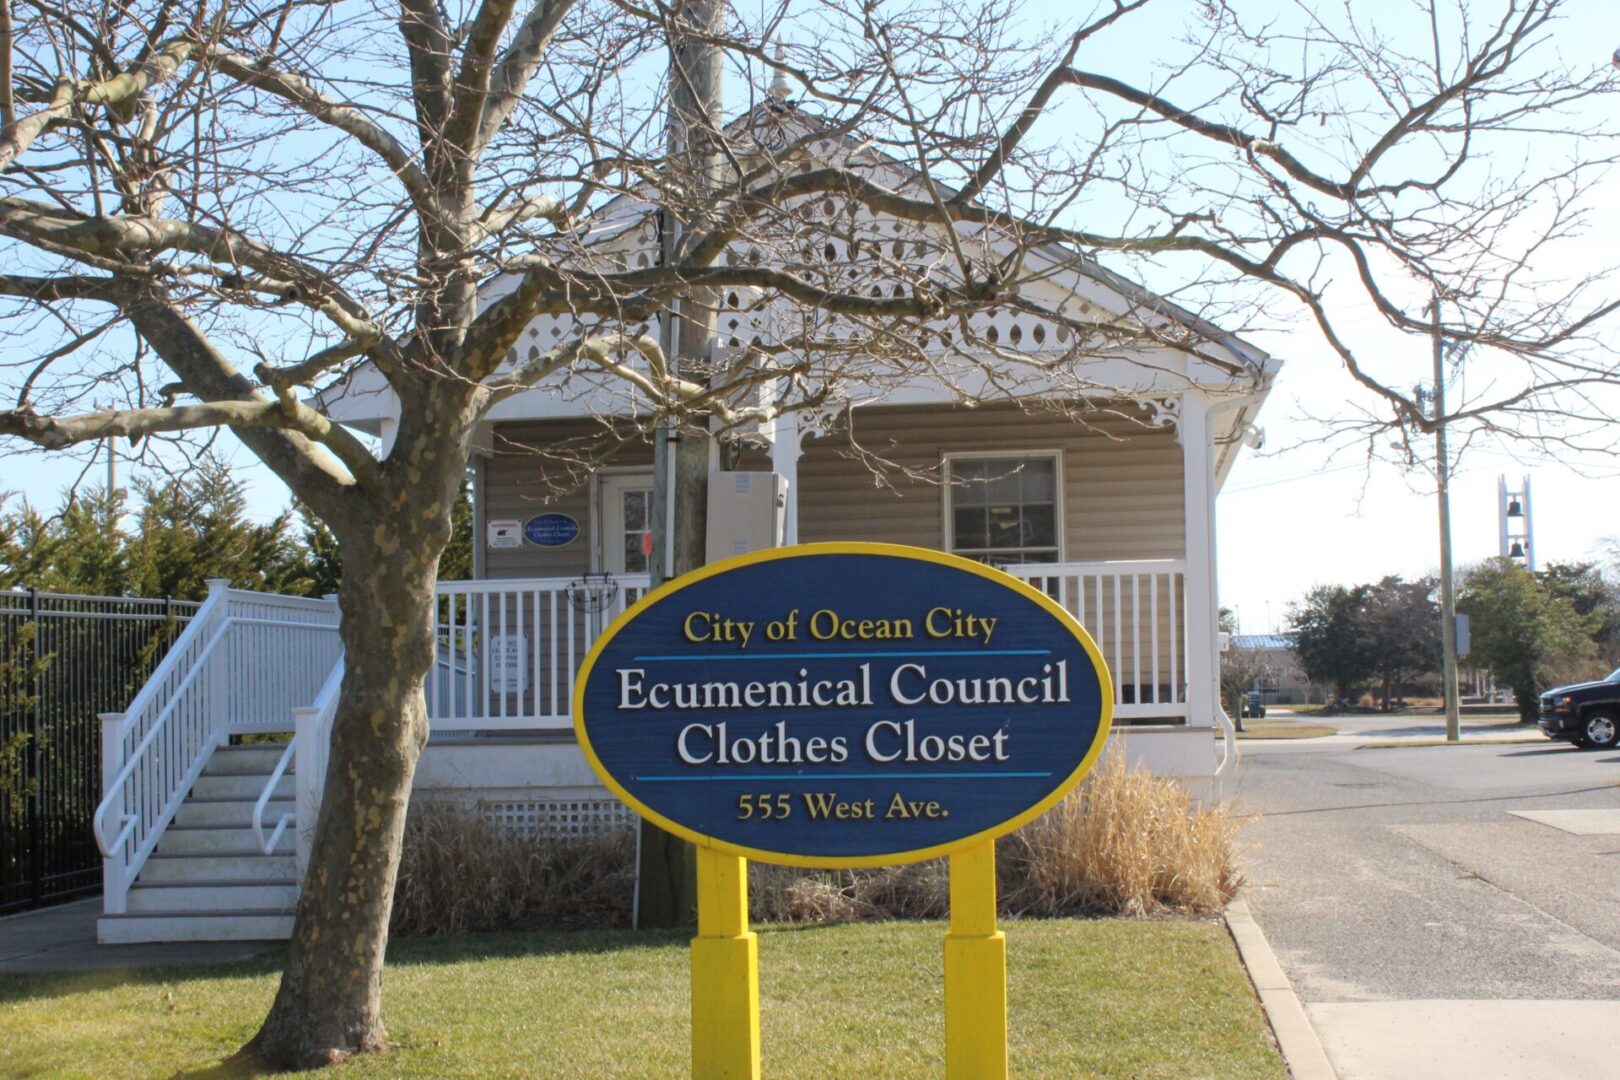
(207, 879)
(182, 824)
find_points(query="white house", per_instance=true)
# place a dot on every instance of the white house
(1107, 503)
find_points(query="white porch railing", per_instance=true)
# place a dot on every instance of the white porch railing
(1136, 612)
(509, 648)
(507, 655)
(240, 666)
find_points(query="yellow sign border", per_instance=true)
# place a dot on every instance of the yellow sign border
(663, 592)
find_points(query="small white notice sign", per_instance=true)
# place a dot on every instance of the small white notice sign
(504, 534)
(508, 674)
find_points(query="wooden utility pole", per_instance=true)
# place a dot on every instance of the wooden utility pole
(666, 866)
(1442, 473)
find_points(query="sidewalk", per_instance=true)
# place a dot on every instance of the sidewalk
(1405, 730)
(1432, 1039)
(63, 938)
(1434, 915)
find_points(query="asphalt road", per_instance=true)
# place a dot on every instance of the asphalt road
(1402, 874)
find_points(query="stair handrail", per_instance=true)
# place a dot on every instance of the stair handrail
(1229, 747)
(133, 760)
(324, 704)
(269, 847)
(218, 598)
(172, 662)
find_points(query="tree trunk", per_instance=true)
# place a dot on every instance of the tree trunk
(329, 1005)
(1528, 697)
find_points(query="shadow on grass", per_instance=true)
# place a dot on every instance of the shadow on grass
(230, 1069)
(32, 986)
(406, 952)
(409, 952)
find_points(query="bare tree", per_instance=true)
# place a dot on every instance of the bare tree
(207, 211)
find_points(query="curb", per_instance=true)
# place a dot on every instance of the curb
(1301, 1049)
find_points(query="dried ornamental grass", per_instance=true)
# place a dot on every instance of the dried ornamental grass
(460, 873)
(1125, 842)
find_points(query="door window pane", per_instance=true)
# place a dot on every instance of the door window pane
(634, 505)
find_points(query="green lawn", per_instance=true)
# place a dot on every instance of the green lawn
(1284, 729)
(1107, 998)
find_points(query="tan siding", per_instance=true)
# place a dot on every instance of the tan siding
(1121, 482)
(1122, 491)
(521, 480)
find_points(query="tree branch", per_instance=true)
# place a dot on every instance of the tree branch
(106, 238)
(18, 135)
(346, 118)
(8, 108)
(55, 433)
(1036, 106)
(518, 64)
(428, 46)
(471, 85)
(312, 474)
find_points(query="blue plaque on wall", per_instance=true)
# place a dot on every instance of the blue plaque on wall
(551, 530)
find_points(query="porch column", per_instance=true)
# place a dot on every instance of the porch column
(1203, 606)
(388, 431)
(787, 443)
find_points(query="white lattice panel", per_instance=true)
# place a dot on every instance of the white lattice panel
(837, 246)
(557, 817)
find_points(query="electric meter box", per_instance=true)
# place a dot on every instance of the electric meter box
(747, 512)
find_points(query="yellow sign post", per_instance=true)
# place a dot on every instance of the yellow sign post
(725, 973)
(975, 971)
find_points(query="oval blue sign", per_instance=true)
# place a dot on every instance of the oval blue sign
(843, 704)
(551, 530)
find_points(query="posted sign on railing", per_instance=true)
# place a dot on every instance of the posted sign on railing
(843, 705)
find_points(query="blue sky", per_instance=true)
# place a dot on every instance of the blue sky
(1295, 514)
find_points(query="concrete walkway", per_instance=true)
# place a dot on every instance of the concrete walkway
(63, 938)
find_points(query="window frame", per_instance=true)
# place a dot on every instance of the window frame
(948, 489)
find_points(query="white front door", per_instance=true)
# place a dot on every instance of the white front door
(624, 502)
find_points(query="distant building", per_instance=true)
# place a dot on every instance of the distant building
(1284, 681)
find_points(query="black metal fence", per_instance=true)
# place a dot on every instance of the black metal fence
(63, 660)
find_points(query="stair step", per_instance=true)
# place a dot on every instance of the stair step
(210, 840)
(241, 786)
(242, 925)
(204, 897)
(278, 867)
(231, 813)
(258, 759)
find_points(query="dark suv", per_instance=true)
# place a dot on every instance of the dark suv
(1586, 714)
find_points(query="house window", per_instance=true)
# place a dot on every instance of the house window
(1003, 510)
